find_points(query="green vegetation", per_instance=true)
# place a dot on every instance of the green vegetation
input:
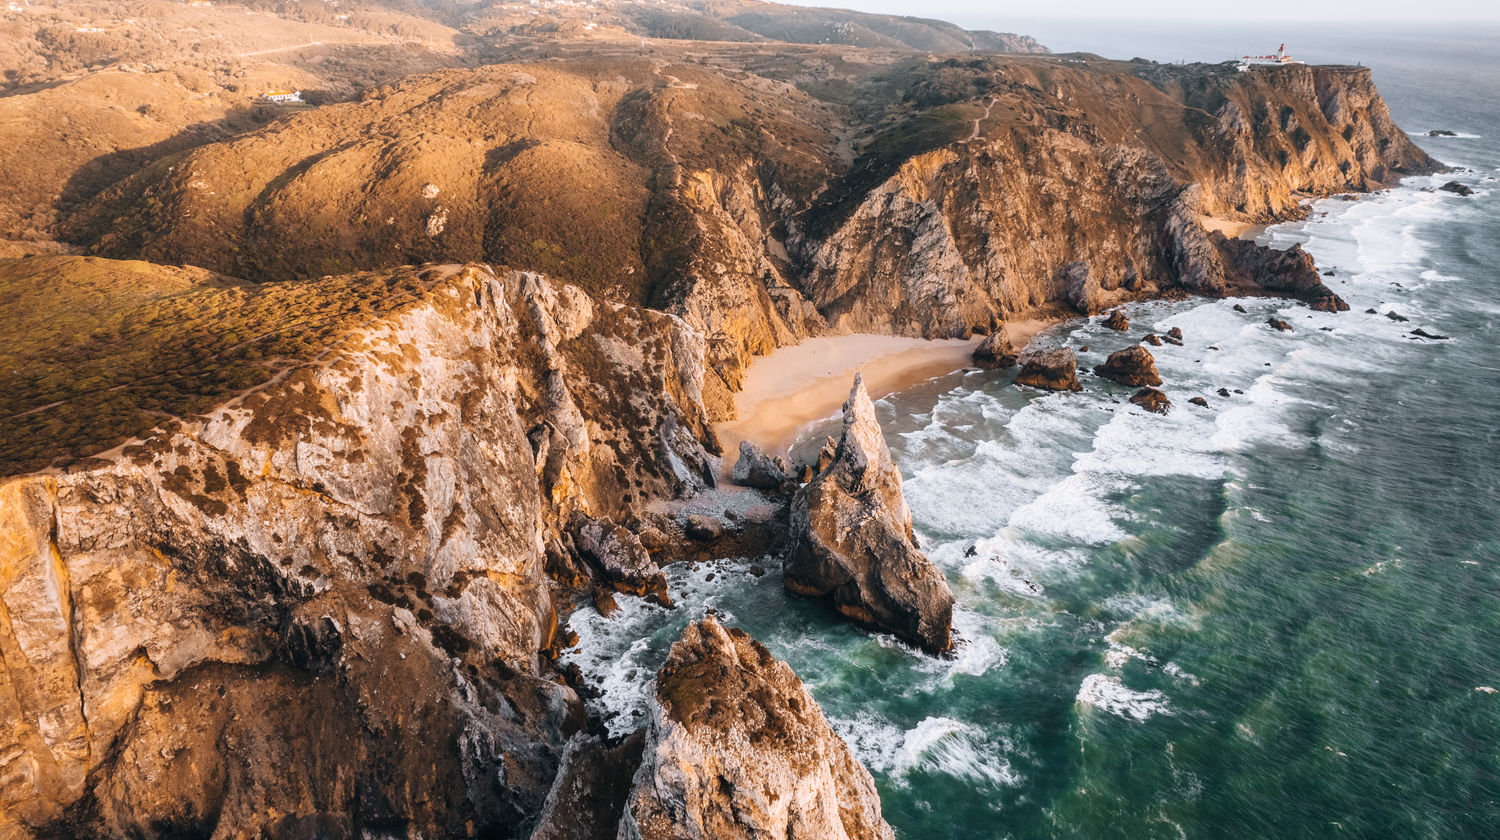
(100, 351)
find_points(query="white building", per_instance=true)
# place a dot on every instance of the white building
(1276, 59)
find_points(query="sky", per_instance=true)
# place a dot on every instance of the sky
(970, 12)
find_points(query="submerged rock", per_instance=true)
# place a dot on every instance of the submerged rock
(851, 539)
(1199, 401)
(1441, 132)
(1117, 321)
(737, 748)
(1421, 333)
(1055, 369)
(1456, 188)
(757, 469)
(1279, 324)
(1396, 316)
(996, 351)
(1152, 400)
(1132, 366)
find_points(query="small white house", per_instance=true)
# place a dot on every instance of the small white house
(283, 96)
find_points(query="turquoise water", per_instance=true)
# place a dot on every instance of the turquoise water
(1275, 617)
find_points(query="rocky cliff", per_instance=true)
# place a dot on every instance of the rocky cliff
(934, 198)
(737, 748)
(338, 580)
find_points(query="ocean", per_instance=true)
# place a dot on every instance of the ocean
(1274, 617)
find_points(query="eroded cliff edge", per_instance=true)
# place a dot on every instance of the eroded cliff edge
(329, 598)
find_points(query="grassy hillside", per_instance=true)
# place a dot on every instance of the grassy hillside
(100, 351)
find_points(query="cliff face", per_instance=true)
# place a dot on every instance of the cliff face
(343, 569)
(1080, 191)
(954, 196)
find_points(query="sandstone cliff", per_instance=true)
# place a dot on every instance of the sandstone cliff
(737, 748)
(851, 539)
(337, 580)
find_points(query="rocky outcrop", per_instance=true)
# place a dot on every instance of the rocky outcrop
(1117, 321)
(1132, 366)
(996, 350)
(1290, 272)
(1052, 369)
(851, 540)
(338, 580)
(757, 469)
(620, 558)
(1456, 188)
(1152, 400)
(737, 748)
(1278, 324)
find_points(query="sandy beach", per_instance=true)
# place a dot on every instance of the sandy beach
(797, 385)
(1233, 229)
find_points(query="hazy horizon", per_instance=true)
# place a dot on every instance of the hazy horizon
(969, 12)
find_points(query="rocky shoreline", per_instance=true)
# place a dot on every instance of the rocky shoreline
(329, 606)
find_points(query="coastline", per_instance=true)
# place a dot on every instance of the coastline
(803, 383)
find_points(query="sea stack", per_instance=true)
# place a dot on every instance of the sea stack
(737, 748)
(851, 540)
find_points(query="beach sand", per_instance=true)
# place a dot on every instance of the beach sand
(1234, 229)
(797, 385)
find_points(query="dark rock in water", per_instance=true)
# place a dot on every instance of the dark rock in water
(1175, 332)
(1152, 339)
(1238, 308)
(1223, 392)
(1441, 132)
(619, 555)
(996, 351)
(850, 538)
(1238, 391)
(1175, 342)
(604, 601)
(1396, 317)
(1291, 272)
(1132, 366)
(1055, 369)
(736, 749)
(971, 551)
(1152, 400)
(1456, 188)
(1117, 321)
(1328, 273)
(1279, 324)
(702, 528)
(1421, 333)
(1199, 401)
(757, 469)
(1372, 311)
(1083, 349)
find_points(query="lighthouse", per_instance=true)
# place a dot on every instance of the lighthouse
(1276, 59)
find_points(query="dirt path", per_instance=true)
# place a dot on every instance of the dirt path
(989, 105)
